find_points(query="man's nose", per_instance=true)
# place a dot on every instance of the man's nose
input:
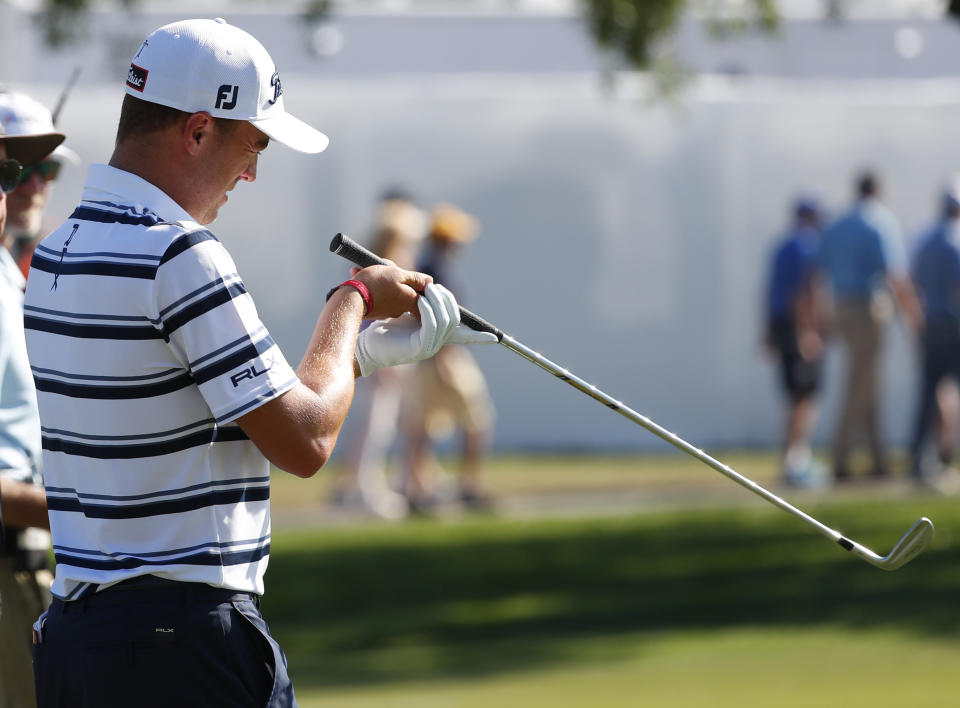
(250, 174)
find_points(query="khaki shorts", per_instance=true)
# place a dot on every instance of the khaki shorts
(448, 392)
(24, 595)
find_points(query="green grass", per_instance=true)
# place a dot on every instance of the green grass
(740, 606)
(799, 668)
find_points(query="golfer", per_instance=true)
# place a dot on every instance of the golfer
(163, 398)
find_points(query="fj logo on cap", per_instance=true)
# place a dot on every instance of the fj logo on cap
(227, 97)
(137, 77)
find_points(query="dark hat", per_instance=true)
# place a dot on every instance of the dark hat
(30, 149)
(951, 193)
(806, 206)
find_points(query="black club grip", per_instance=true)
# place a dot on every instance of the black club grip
(346, 247)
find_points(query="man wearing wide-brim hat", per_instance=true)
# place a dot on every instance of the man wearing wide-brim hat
(22, 501)
(21, 114)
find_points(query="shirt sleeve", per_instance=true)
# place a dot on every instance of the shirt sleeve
(212, 324)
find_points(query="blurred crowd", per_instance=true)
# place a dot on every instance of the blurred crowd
(844, 279)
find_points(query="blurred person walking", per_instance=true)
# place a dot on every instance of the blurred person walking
(22, 115)
(400, 231)
(164, 399)
(449, 393)
(863, 256)
(795, 319)
(24, 577)
(936, 275)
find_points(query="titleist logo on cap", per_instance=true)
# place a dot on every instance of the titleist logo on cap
(137, 77)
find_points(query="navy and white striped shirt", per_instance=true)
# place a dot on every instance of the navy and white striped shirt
(145, 346)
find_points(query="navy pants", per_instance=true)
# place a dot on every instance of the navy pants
(941, 360)
(152, 642)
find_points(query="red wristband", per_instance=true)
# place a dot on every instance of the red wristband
(361, 288)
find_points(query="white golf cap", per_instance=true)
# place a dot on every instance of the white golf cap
(212, 66)
(22, 116)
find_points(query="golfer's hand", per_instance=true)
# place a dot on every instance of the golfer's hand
(394, 290)
(404, 339)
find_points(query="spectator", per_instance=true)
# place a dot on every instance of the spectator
(864, 260)
(22, 115)
(400, 230)
(24, 578)
(795, 320)
(450, 393)
(936, 274)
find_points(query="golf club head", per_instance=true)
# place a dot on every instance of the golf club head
(908, 547)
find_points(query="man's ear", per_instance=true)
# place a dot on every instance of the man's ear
(197, 131)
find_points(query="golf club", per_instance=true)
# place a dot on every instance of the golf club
(906, 549)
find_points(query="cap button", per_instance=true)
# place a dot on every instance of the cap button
(220, 20)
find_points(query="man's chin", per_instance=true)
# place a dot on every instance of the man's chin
(209, 217)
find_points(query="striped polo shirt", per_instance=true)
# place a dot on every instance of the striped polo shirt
(145, 348)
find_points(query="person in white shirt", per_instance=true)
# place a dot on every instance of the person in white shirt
(24, 579)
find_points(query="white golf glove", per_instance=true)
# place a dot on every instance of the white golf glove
(403, 339)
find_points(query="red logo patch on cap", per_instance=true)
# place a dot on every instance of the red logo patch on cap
(137, 77)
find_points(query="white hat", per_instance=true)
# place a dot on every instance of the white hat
(211, 66)
(21, 115)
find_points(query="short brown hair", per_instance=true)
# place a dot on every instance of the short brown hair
(139, 117)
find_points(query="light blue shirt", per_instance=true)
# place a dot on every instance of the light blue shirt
(860, 249)
(19, 419)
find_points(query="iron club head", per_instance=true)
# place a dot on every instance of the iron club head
(907, 548)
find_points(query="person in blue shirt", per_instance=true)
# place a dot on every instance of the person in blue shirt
(936, 275)
(863, 257)
(794, 322)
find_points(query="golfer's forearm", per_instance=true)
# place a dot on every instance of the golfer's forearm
(328, 370)
(23, 505)
(298, 430)
(328, 367)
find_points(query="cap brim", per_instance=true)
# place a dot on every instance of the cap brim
(30, 149)
(292, 132)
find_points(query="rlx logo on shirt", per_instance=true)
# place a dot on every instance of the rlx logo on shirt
(250, 373)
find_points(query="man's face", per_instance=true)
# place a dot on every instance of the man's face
(25, 204)
(231, 159)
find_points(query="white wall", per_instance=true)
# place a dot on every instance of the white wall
(624, 241)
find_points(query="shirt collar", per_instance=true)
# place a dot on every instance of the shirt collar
(109, 184)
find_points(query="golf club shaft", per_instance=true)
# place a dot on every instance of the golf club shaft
(352, 251)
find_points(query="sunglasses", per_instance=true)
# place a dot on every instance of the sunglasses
(48, 171)
(10, 171)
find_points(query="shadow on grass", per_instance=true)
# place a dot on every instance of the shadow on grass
(418, 601)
